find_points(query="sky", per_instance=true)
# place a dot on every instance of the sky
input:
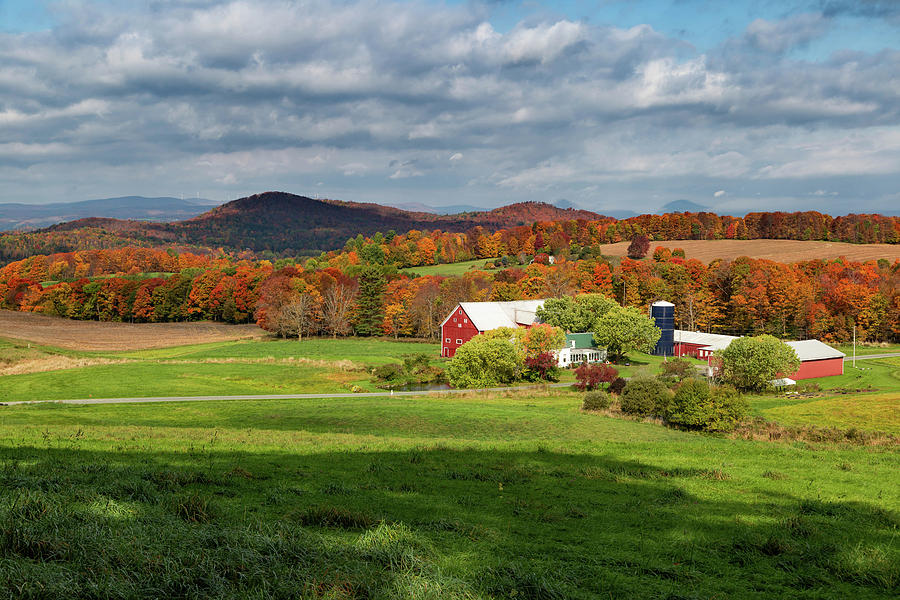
(611, 105)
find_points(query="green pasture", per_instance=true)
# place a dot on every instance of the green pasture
(222, 368)
(502, 496)
(360, 350)
(448, 270)
(845, 401)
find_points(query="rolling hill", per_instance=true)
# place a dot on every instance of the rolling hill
(282, 222)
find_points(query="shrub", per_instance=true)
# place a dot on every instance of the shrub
(728, 409)
(645, 396)
(542, 367)
(616, 386)
(697, 406)
(690, 405)
(388, 372)
(589, 376)
(596, 400)
(677, 369)
(483, 361)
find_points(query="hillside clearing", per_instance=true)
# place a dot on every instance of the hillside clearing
(785, 251)
(110, 336)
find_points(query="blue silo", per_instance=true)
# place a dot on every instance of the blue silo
(664, 314)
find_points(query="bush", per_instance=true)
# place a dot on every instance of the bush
(589, 376)
(698, 406)
(645, 396)
(728, 409)
(596, 400)
(389, 372)
(542, 367)
(483, 362)
(677, 369)
(690, 405)
(616, 386)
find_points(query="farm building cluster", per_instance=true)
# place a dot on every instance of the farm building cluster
(468, 319)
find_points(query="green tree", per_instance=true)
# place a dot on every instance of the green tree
(575, 314)
(483, 361)
(622, 330)
(751, 363)
(370, 301)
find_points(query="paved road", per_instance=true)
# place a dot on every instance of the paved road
(279, 396)
(887, 355)
(341, 395)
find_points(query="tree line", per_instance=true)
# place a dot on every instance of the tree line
(355, 293)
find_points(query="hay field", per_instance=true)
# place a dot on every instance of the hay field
(94, 335)
(786, 251)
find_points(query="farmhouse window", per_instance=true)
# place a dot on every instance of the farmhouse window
(454, 319)
(465, 320)
(458, 324)
(448, 340)
(459, 341)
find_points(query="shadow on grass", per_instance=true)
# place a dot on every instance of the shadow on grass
(429, 522)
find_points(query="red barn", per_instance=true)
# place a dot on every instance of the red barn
(469, 319)
(816, 358)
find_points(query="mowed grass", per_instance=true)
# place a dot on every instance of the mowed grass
(879, 412)
(220, 368)
(361, 350)
(839, 404)
(501, 496)
(448, 270)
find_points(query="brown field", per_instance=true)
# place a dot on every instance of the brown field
(94, 335)
(786, 251)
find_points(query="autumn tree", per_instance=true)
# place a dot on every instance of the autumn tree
(639, 246)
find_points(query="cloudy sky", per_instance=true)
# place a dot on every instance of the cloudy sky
(613, 105)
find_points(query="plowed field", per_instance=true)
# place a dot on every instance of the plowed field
(94, 335)
(786, 251)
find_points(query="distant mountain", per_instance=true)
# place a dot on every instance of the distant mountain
(282, 222)
(682, 206)
(33, 216)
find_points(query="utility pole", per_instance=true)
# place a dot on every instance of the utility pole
(854, 345)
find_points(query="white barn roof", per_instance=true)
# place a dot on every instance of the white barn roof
(715, 341)
(486, 316)
(814, 350)
(805, 349)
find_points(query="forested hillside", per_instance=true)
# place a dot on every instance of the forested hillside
(276, 224)
(360, 291)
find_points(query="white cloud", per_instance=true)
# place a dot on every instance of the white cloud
(720, 193)
(279, 94)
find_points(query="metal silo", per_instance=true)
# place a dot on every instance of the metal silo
(664, 314)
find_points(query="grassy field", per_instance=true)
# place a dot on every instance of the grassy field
(513, 495)
(220, 368)
(840, 404)
(449, 269)
(508, 496)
